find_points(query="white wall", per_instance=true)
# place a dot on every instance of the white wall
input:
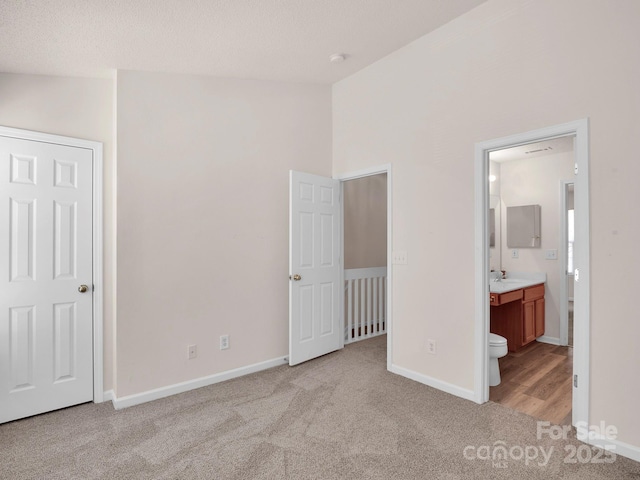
(537, 182)
(365, 222)
(73, 107)
(506, 67)
(203, 229)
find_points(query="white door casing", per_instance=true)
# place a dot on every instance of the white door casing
(46, 254)
(581, 362)
(353, 175)
(314, 257)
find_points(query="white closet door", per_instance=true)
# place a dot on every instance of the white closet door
(46, 324)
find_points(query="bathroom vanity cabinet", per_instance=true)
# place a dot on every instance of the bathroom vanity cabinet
(518, 315)
(532, 313)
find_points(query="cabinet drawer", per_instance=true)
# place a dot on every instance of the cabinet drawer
(532, 293)
(496, 299)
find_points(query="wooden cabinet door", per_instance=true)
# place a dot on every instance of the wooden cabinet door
(539, 315)
(528, 322)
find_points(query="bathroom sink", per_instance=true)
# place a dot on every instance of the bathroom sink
(510, 284)
(502, 287)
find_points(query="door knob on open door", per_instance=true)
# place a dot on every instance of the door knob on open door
(296, 277)
(82, 288)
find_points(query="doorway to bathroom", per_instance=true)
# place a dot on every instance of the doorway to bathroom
(548, 254)
(536, 371)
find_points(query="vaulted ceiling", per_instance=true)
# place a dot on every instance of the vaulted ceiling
(285, 40)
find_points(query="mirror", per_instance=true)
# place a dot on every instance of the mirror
(495, 250)
(523, 226)
(492, 227)
(495, 217)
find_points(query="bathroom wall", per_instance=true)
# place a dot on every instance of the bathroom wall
(537, 181)
(365, 222)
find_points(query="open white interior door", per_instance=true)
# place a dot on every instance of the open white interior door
(314, 267)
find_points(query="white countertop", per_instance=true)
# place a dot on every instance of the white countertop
(516, 281)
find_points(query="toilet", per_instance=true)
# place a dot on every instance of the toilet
(497, 349)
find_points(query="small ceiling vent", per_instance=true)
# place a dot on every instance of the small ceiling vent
(539, 150)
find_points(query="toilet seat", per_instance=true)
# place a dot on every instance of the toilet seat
(496, 340)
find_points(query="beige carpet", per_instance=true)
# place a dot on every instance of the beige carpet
(339, 416)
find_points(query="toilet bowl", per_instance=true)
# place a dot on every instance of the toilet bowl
(497, 349)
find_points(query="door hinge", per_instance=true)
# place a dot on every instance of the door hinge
(576, 274)
(575, 168)
(575, 381)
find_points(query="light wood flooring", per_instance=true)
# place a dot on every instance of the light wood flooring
(536, 380)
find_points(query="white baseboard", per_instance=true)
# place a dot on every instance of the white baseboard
(550, 340)
(616, 446)
(108, 396)
(433, 382)
(162, 392)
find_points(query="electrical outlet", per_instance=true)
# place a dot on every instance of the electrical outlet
(431, 346)
(224, 342)
(515, 253)
(193, 351)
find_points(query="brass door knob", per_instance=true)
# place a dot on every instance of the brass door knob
(296, 277)
(83, 288)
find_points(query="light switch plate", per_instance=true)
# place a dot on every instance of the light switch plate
(551, 254)
(515, 253)
(399, 258)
